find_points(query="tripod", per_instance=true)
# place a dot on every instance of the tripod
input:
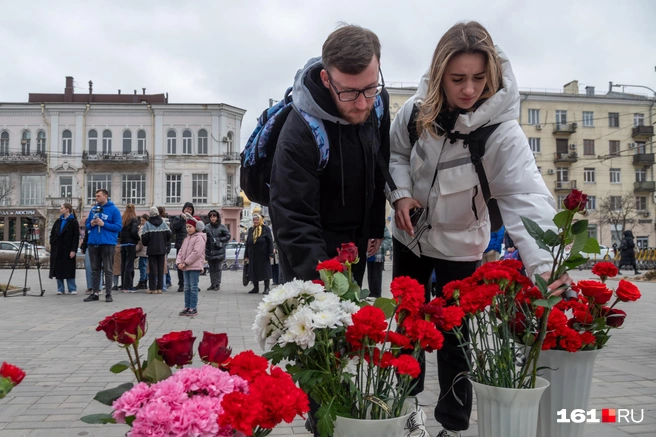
(28, 243)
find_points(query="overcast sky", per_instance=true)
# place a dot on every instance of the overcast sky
(243, 53)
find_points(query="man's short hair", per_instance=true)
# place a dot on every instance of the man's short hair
(102, 190)
(350, 49)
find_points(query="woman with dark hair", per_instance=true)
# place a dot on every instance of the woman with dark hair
(259, 251)
(64, 241)
(217, 237)
(128, 238)
(627, 252)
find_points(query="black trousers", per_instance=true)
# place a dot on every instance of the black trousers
(375, 277)
(102, 262)
(128, 255)
(180, 278)
(451, 358)
(215, 272)
(156, 272)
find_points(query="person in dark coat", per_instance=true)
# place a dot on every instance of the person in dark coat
(217, 237)
(179, 229)
(259, 251)
(156, 236)
(64, 241)
(128, 238)
(627, 252)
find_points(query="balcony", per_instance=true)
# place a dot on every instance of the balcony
(643, 132)
(56, 202)
(565, 185)
(644, 186)
(120, 158)
(565, 128)
(231, 158)
(19, 158)
(233, 202)
(643, 159)
(566, 157)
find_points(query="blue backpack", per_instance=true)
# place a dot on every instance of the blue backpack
(257, 157)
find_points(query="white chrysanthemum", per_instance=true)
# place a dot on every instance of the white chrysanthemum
(261, 325)
(325, 301)
(348, 309)
(282, 293)
(298, 329)
(352, 366)
(311, 288)
(327, 319)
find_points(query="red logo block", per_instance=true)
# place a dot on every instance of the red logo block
(608, 415)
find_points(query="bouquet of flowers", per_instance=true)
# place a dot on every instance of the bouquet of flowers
(238, 396)
(10, 377)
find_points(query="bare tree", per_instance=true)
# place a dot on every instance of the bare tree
(6, 190)
(619, 211)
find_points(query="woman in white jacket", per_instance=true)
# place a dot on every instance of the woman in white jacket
(469, 85)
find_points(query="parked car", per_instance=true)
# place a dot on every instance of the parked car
(605, 252)
(9, 249)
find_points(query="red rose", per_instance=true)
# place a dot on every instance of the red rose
(614, 317)
(332, 265)
(595, 290)
(177, 348)
(348, 252)
(605, 270)
(11, 372)
(124, 327)
(407, 365)
(626, 291)
(575, 201)
(214, 348)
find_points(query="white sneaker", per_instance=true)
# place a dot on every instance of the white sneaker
(447, 433)
(59, 293)
(73, 293)
(415, 425)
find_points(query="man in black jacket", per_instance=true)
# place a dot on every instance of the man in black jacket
(313, 212)
(179, 229)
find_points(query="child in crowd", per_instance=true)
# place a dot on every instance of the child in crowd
(191, 260)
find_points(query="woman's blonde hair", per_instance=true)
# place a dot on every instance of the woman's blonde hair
(466, 37)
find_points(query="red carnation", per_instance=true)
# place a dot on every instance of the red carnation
(399, 340)
(332, 265)
(605, 270)
(627, 291)
(248, 365)
(124, 327)
(368, 322)
(407, 365)
(571, 340)
(348, 253)
(239, 412)
(214, 348)
(588, 338)
(11, 372)
(177, 348)
(318, 281)
(575, 201)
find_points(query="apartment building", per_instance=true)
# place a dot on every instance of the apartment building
(61, 148)
(600, 143)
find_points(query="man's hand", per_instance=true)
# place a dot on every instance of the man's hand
(373, 246)
(402, 209)
(99, 222)
(554, 290)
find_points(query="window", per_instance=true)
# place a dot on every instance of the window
(561, 117)
(202, 142)
(641, 203)
(133, 189)
(170, 142)
(229, 142)
(67, 142)
(589, 175)
(613, 119)
(533, 116)
(33, 190)
(107, 143)
(66, 187)
(592, 203)
(588, 147)
(127, 143)
(640, 147)
(561, 200)
(173, 188)
(25, 142)
(41, 142)
(5, 190)
(642, 242)
(229, 187)
(588, 118)
(93, 142)
(641, 175)
(199, 188)
(186, 142)
(615, 176)
(592, 231)
(4, 143)
(562, 174)
(96, 182)
(141, 142)
(638, 119)
(614, 147)
(534, 143)
(615, 203)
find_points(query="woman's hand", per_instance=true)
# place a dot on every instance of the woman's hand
(559, 286)
(71, 255)
(402, 209)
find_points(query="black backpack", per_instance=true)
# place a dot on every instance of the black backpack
(475, 141)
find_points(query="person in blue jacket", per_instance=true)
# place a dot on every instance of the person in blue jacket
(104, 224)
(493, 251)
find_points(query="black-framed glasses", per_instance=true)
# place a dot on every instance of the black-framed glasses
(351, 95)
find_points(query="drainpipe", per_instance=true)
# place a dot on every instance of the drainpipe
(49, 137)
(152, 158)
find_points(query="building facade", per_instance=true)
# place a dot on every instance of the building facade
(601, 144)
(61, 148)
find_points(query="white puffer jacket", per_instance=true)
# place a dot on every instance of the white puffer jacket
(456, 234)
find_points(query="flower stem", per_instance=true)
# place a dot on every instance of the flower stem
(136, 354)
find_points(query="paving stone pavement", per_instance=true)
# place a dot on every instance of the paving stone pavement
(54, 339)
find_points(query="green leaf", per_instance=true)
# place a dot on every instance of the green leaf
(541, 284)
(129, 420)
(326, 416)
(533, 228)
(387, 305)
(580, 227)
(364, 293)
(157, 371)
(560, 219)
(591, 246)
(541, 303)
(99, 419)
(108, 397)
(327, 278)
(340, 284)
(153, 352)
(541, 244)
(120, 367)
(579, 243)
(572, 263)
(553, 300)
(550, 238)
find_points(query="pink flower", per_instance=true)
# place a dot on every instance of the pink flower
(154, 419)
(131, 402)
(197, 417)
(170, 391)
